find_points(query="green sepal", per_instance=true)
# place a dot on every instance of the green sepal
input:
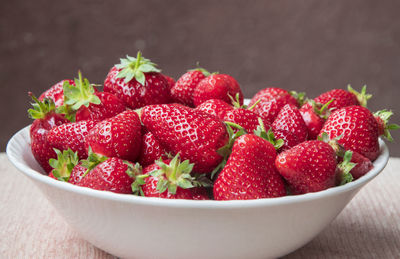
(362, 96)
(202, 70)
(321, 109)
(135, 68)
(236, 101)
(385, 115)
(300, 97)
(64, 164)
(137, 184)
(40, 109)
(345, 167)
(268, 135)
(92, 161)
(133, 170)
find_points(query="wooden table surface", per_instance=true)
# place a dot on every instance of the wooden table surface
(369, 227)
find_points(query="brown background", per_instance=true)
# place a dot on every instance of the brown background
(309, 46)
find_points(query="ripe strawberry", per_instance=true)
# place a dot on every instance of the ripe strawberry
(63, 165)
(151, 150)
(275, 93)
(56, 92)
(358, 127)
(314, 115)
(249, 172)
(170, 80)
(45, 119)
(193, 134)
(289, 139)
(342, 98)
(290, 119)
(363, 165)
(171, 179)
(109, 174)
(215, 107)
(119, 136)
(182, 91)
(71, 136)
(382, 118)
(77, 174)
(308, 167)
(245, 118)
(83, 102)
(137, 82)
(216, 86)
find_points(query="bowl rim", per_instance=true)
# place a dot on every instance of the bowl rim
(379, 165)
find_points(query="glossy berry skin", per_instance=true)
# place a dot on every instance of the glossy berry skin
(216, 86)
(119, 136)
(150, 188)
(245, 118)
(42, 150)
(56, 92)
(151, 150)
(363, 165)
(342, 98)
(358, 128)
(289, 139)
(313, 121)
(77, 174)
(170, 80)
(182, 91)
(290, 119)
(71, 135)
(110, 106)
(272, 100)
(193, 134)
(135, 95)
(215, 107)
(308, 167)
(109, 175)
(249, 172)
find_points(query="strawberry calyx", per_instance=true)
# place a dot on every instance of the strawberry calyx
(362, 96)
(64, 164)
(321, 109)
(41, 108)
(76, 96)
(92, 161)
(299, 96)
(268, 135)
(383, 117)
(135, 172)
(202, 70)
(345, 167)
(135, 68)
(176, 174)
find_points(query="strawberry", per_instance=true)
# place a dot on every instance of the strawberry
(119, 136)
(45, 118)
(171, 179)
(151, 150)
(342, 98)
(77, 174)
(275, 93)
(56, 92)
(63, 165)
(314, 115)
(308, 167)
(249, 172)
(71, 135)
(245, 118)
(137, 82)
(109, 174)
(216, 86)
(170, 80)
(182, 91)
(358, 128)
(290, 119)
(382, 118)
(215, 107)
(83, 102)
(195, 135)
(289, 139)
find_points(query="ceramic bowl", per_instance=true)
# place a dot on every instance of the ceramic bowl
(138, 227)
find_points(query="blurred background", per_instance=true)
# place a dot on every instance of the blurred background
(310, 46)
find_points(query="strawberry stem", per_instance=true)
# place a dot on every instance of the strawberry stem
(362, 96)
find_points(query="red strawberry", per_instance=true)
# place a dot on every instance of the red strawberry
(63, 165)
(290, 119)
(182, 91)
(137, 82)
(45, 119)
(110, 174)
(77, 174)
(83, 102)
(119, 136)
(151, 150)
(382, 118)
(314, 115)
(274, 93)
(342, 98)
(56, 92)
(216, 86)
(289, 139)
(249, 172)
(193, 134)
(170, 80)
(358, 128)
(71, 135)
(245, 118)
(363, 165)
(308, 167)
(171, 179)
(215, 107)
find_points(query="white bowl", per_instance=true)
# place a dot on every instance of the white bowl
(138, 227)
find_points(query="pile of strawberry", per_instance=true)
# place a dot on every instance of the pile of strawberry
(146, 134)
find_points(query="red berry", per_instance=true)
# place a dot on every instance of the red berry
(182, 91)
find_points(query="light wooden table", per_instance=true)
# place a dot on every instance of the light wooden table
(369, 227)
